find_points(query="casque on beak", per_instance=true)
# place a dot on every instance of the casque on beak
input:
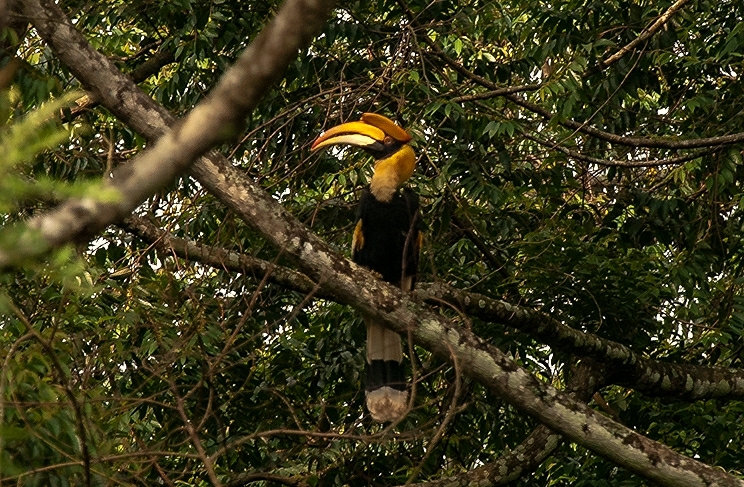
(368, 133)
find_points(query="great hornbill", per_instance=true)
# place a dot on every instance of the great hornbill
(387, 241)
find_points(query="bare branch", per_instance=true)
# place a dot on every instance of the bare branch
(193, 434)
(248, 478)
(645, 34)
(648, 142)
(495, 93)
(221, 258)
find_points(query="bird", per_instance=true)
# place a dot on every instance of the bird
(386, 240)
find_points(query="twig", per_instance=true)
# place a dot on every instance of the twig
(79, 424)
(495, 93)
(193, 435)
(452, 411)
(645, 34)
(3, 383)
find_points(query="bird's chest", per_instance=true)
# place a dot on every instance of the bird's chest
(387, 232)
(387, 222)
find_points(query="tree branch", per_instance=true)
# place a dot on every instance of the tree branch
(478, 359)
(236, 94)
(629, 369)
(221, 258)
(645, 34)
(248, 478)
(647, 142)
(609, 163)
(494, 93)
(139, 74)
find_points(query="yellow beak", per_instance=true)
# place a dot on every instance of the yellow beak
(368, 132)
(358, 134)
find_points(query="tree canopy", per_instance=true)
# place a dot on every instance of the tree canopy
(176, 307)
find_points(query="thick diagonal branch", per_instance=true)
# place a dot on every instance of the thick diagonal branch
(629, 369)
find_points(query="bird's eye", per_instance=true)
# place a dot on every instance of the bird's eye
(388, 140)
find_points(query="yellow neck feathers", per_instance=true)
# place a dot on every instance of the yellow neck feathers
(391, 172)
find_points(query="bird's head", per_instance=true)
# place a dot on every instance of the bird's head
(387, 142)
